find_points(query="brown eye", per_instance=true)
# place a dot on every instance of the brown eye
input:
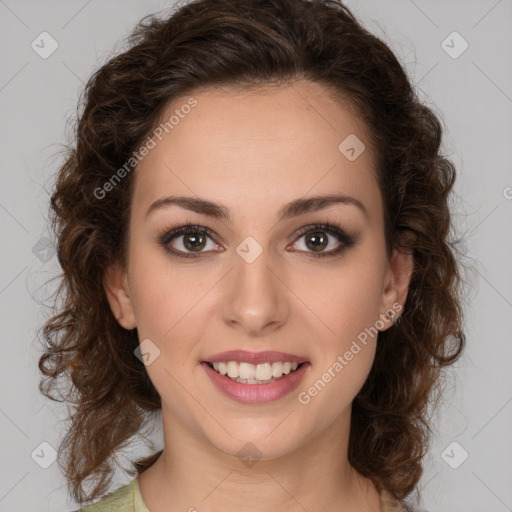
(322, 236)
(317, 241)
(194, 239)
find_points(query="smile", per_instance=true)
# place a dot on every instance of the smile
(248, 373)
(262, 387)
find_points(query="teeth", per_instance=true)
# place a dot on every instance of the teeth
(259, 372)
(233, 369)
(277, 369)
(248, 371)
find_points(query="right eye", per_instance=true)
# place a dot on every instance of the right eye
(193, 240)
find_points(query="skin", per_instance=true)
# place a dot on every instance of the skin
(254, 152)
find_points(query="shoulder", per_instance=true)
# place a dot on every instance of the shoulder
(388, 503)
(121, 500)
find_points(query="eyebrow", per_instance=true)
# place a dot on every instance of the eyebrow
(293, 209)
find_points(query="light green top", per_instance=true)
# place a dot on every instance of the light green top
(125, 499)
(129, 499)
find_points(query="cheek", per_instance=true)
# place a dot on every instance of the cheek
(157, 301)
(345, 298)
(170, 302)
(345, 339)
(346, 304)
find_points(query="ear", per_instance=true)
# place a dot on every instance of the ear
(115, 282)
(396, 286)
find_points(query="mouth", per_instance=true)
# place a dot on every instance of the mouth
(248, 373)
(239, 384)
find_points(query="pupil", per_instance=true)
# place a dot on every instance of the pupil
(320, 240)
(195, 244)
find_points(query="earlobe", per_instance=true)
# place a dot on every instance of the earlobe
(115, 283)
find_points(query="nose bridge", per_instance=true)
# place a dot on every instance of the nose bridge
(252, 267)
(255, 299)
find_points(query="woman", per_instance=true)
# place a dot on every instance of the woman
(255, 239)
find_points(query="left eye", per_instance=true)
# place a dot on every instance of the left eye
(317, 241)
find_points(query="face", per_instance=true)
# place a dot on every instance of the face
(262, 277)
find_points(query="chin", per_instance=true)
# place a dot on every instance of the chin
(250, 447)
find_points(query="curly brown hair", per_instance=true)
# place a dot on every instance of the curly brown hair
(212, 43)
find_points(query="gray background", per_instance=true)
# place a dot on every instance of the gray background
(473, 95)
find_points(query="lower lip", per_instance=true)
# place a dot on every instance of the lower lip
(256, 393)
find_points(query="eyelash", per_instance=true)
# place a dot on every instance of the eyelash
(190, 228)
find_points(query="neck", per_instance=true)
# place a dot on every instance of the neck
(192, 474)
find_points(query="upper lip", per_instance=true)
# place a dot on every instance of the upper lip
(254, 357)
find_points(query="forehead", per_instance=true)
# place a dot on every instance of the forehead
(262, 147)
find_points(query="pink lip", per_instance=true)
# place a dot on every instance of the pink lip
(255, 357)
(256, 393)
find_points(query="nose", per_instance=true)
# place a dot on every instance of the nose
(256, 297)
